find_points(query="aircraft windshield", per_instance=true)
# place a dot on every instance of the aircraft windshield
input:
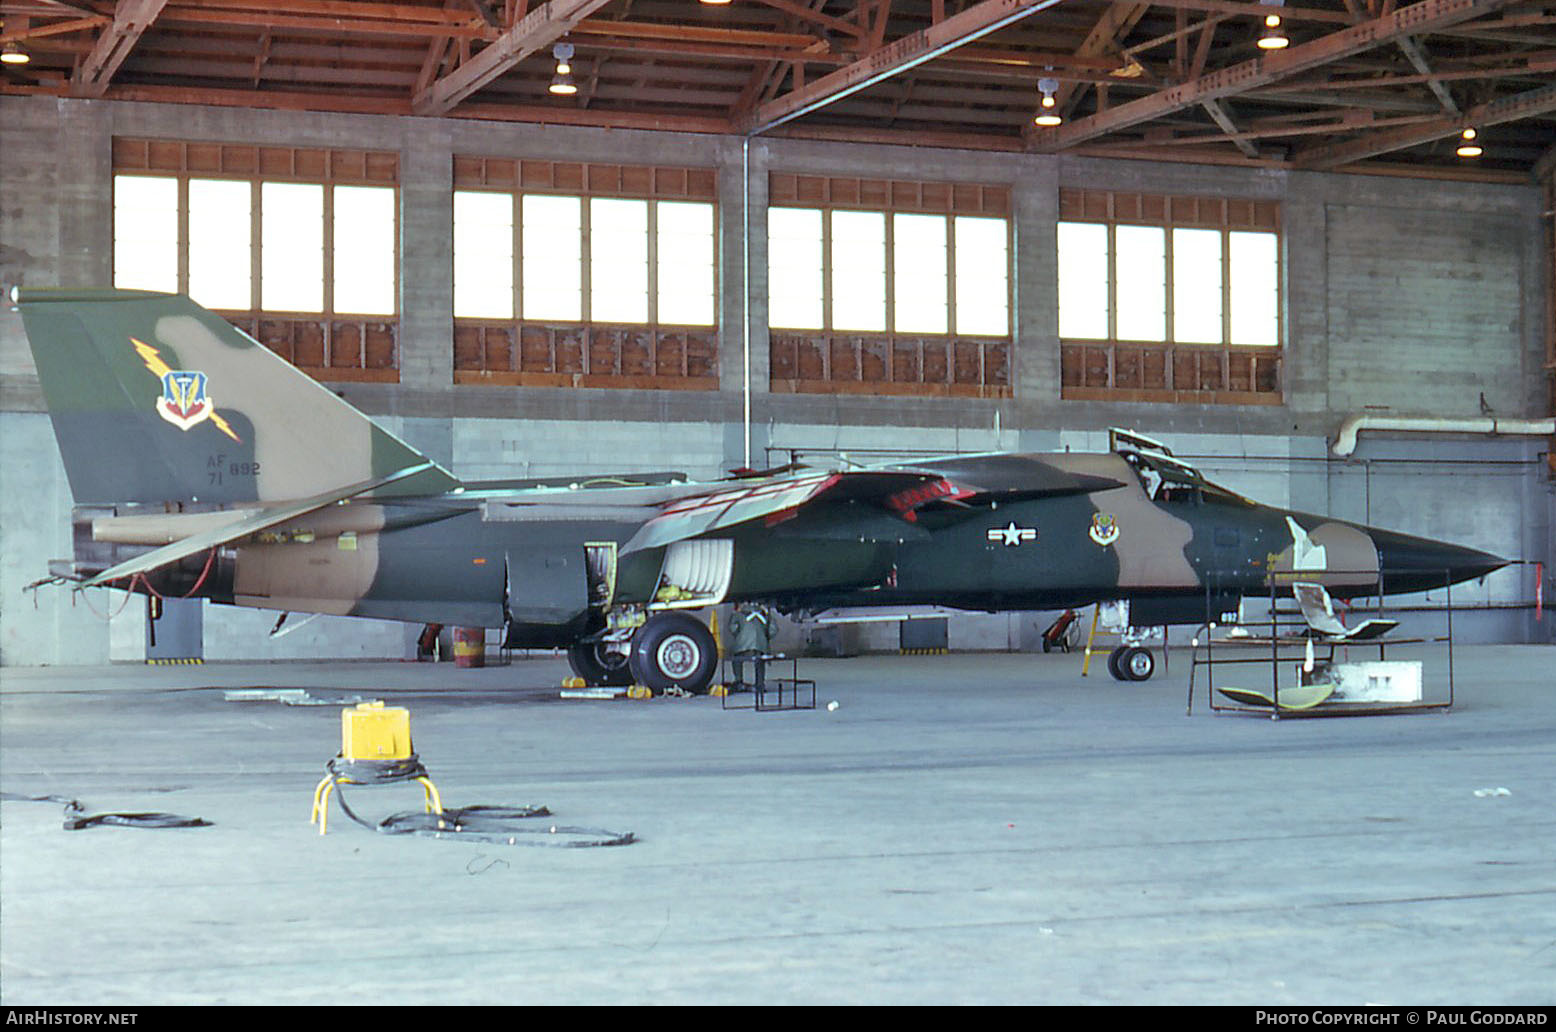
(1163, 477)
(1169, 479)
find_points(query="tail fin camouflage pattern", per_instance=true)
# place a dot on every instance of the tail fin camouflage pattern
(154, 399)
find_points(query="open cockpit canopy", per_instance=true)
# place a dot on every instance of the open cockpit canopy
(1165, 477)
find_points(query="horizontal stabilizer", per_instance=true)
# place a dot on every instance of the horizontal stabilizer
(252, 523)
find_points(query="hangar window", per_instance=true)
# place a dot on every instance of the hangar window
(583, 274)
(1169, 298)
(298, 247)
(888, 286)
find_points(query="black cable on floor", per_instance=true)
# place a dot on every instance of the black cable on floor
(496, 825)
(76, 819)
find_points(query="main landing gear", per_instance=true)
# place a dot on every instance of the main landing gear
(1131, 663)
(600, 663)
(670, 650)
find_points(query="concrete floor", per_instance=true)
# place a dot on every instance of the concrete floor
(961, 829)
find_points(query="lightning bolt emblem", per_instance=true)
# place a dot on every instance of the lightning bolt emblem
(184, 402)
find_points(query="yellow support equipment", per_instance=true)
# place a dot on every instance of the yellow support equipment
(373, 731)
(377, 737)
(1091, 636)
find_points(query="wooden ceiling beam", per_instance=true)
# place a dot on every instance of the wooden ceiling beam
(896, 57)
(605, 27)
(1423, 16)
(334, 27)
(1101, 41)
(1528, 104)
(1350, 123)
(1417, 59)
(1254, 9)
(343, 12)
(1533, 67)
(1544, 168)
(702, 51)
(488, 14)
(765, 80)
(47, 8)
(130, 19)
(535, 31)
(1224, 122)
(27, 31)
(807, 14)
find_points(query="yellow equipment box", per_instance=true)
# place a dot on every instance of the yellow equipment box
(373, 731)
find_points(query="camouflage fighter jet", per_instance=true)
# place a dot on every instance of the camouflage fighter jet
(205, 466)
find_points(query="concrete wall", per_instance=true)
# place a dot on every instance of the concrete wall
(1420, 296)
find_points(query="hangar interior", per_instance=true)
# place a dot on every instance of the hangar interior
(862, 246)
(835, 231)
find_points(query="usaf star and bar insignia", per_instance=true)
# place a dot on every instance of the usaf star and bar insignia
(1103, 530)
(1012, 535)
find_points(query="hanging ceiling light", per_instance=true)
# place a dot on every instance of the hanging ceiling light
(1273, 37)
(13, 54)
(1047, 110)
(562, 84)
(1469, 147)
(715, 3)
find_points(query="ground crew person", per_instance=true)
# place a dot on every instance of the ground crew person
(750, 637)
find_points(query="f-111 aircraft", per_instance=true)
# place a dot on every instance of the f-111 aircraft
(202, 465)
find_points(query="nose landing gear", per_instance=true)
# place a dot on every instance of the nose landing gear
(1131, 663)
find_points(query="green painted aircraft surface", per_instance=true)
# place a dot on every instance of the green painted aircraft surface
(202, 465)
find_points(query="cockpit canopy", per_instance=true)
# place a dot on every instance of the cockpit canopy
(1166, 478)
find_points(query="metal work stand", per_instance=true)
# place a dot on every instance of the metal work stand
(1291, 649)
(775, 693)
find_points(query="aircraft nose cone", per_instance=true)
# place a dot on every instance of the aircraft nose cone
(1416, 564)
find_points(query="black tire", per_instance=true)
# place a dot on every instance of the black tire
(674, 650)
(1113, 667)
(1137, 664)
(598, 667)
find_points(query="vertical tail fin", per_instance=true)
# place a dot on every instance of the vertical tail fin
(155, 399)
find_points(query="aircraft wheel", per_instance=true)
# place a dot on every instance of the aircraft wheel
(1113, 661)
(1137, 664)
(598, 665)
(674, 650)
